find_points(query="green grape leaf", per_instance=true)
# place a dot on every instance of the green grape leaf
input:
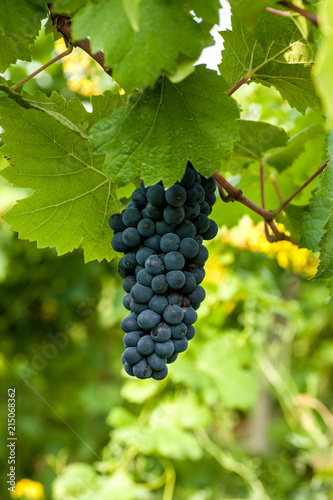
(275, 53)
(326, 183)
(306, 164)
(67, 6)
(19, 26)
(324, 70)
(315, 216)
(255, 139)
(166, 33)
(325, 269)
(72, 198)
(206, 9)
(165, 127)
(284, 157)
(248, 11)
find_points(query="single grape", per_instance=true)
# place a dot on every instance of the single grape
(201, 256)
(173, 215)
(129, 260)
(192, 211)
(129, 324)
(158, 303)
(211, 231)
(136, 307)
(155, 195)
(144, 278)
(179, 331)
(186, 229)
(198, 294)
(132, 355)
(154, 212)
(174, 261)
(202, 223)
(143, 254)
(154, 265)
(176, 195)
(118, 244)
(190, 315)
(190, 332)
(131, 237)
(159, 283)
(180, 344)
(156, 362)
(116, 223)
(173, 314)
(161, 333)
(126, 301)
(189, 248)
(148, 319)
(195, 194)
(137, 269)
(170, 242)
(142, 369)
(146, 345)
(122, 271)
(153, 242)
(141, 293)
(131, 338)
(128, 283)
(172, 358)
(210, 198)
(190, 282)
(160, 374)
(128, 368)
(146, 228)
(205, 208)
(176, 279)
(164, 349)
(131, 217)
(139, 198)
(198, 274)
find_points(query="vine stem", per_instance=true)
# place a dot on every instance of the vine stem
(39, 70)
(288, 200)
(276, 12)
(313, 18)
(262, 191)
(268, 216)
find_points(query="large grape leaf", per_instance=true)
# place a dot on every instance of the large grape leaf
(72, 198)
(315, 215)
(324, 69)
(166, 126)
(166, 33)
(284, 157)
(255, 139)
(19, 25)
(274, 53)
(325, 269)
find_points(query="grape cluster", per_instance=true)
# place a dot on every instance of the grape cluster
(161, 233)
